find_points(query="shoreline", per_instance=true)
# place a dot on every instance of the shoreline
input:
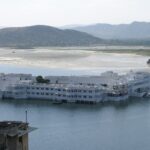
(73, 60)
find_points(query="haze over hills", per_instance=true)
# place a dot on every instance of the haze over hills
(39, 35)
(1, 27)
(70, 26)
(135, 30)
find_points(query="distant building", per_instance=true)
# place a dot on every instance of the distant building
(14, 135)
(108, 86)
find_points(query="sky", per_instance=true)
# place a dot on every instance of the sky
(65, 12)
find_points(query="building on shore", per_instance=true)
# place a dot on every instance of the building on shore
(108, 86)
(14, 135)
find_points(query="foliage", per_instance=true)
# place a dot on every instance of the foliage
(40, 79)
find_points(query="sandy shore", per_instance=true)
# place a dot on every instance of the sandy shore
(72, 59)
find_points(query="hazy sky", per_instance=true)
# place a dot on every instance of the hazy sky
(62, 12)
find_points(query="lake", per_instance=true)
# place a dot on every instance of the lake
(109, 126)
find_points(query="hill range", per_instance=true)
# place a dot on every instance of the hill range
(135, 30)
(39, 35)
(136, 33)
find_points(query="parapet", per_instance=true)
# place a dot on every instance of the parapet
(13, 128)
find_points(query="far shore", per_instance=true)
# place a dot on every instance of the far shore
(138, 50)
(79, 59)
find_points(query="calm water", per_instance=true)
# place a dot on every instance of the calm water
(74, 127)
(78, 127)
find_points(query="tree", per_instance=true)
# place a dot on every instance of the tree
(40, 79)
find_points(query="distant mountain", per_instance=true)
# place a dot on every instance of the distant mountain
(135, 30)
(34, 36)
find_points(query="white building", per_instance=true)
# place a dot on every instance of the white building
(108, 86)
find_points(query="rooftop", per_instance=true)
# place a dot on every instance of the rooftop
(13, 128)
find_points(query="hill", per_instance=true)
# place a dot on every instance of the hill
(135, 30)
(39, 35)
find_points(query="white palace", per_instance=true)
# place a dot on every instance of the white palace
(109, 86)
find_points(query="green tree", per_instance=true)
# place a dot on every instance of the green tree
(40, 79)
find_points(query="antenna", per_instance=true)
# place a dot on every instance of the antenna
(26, 116)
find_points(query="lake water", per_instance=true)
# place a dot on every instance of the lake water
(123, 126)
